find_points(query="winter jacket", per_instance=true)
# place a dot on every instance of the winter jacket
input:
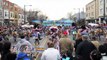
(66, 46)
(22, 56)
(84, 49)
(77, 42)
(10, 56)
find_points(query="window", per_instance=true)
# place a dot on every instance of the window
(86, 9)
(101, 11)
(16, 16)
(89, 14)
(5, 14)
(92, 13)
(22, 17)
(11, 15)
(101, 1)
(86, 15)
(92, 6)
(4, 3)
(89, 8)
(19, 16)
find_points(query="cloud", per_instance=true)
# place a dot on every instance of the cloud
(55, 9)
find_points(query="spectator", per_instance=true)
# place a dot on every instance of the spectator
(105, 44)
(78, 40)
(103, 51)
(66, 47)
(7, 54)
(23, 54)
(95, 42)
(1, 49)
(51, 53)
(23, 41)
(84, 49)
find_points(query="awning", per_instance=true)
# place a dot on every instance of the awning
(36, 21)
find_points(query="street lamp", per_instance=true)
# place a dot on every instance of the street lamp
(25, 12)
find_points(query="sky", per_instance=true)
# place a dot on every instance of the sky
(54, 9)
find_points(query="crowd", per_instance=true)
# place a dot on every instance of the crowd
(20, 48)
(88, 43)
(65, 43)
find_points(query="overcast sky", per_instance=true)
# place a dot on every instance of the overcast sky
(54, 9)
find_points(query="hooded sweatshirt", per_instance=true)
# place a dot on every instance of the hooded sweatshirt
(22, 56)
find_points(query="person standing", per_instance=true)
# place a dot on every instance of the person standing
(23, 54)
(23, 41)
(66, 47)
(51, 53)
(84, 49)
(77, 41)
(7, 54)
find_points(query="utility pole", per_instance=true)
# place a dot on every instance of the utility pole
(25, 13)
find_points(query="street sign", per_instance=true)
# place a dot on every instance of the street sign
(40, 49)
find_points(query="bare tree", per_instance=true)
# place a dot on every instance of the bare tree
(42, 17)
(70, 16)
(34, 15)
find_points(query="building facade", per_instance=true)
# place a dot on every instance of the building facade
(80, 15)
(92, 11)
(1, 12)
(9, 13)
(6, 12)
(101, 11)
(21, 16)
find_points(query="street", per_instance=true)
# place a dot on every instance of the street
(53, 30)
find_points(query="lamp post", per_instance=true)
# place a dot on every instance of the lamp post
(25, 12)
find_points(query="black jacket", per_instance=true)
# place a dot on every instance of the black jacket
(10, 56)
(84, 49)
(77, 42)
(7, 55)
